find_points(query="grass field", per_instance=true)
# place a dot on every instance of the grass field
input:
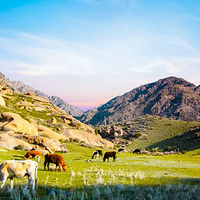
(130, 177)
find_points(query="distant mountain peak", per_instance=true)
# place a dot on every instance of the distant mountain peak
(169, 97)
(176, 80)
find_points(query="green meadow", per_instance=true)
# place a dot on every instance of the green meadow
(132, 176)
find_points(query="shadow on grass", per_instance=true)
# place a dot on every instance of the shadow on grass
(175, 190)
(187, 141)
(17, 157)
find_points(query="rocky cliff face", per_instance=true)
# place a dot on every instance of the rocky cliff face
(170, 97)
(72, 110)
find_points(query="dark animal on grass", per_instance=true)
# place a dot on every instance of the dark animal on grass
(111, 154)
(97, 154)
(33, 154)
(120, 150)
(137, 151)
(100, 153)
(19, 168)
(56, 159)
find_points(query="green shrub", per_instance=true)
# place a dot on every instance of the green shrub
(19, 147)
(78, 125)
(96, 131)
(184, 151)
(74, 140)
(137, 135)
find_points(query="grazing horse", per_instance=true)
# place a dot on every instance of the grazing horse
(109, 154)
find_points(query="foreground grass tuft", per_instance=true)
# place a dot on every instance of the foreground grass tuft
(112, 192)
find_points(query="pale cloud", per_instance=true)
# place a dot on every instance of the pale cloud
(35, 55)
(170, 65)
(183, 44)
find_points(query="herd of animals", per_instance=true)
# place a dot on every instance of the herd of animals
(20, 168)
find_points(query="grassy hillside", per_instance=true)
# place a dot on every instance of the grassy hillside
(148, 177)
(41, 117)
(35, 116)
(152, 131)
(163, 132)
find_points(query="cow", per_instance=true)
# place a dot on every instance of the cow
(137, 151)
(19, 168)
(100, 152)
(109, 154)
(95, 154)
(120, 150)
(33, 154)
(56, 159)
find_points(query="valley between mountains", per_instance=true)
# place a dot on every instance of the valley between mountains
(162, 114)
(159, 121)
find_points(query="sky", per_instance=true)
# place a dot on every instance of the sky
(90, 51)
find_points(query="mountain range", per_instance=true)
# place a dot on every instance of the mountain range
(158, 114)
(70, 109)
(170, 97)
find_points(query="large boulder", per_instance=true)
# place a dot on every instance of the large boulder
(2, 102)
(71, 121)
(10, 142)
(43, 142)
(44, 131)
(88, 138)
(14, 122)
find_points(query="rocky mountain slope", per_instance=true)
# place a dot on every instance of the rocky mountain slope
(22, 88)
(170, 97)
(28, 121)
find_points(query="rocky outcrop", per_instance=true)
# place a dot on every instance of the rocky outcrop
(2, 102)
(14, 122)
(10, 142)
(88, 138)
(44, 143)
(111, 132)
(171, 97)
(44, 131)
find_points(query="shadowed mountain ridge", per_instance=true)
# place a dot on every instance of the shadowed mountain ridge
(170, 97)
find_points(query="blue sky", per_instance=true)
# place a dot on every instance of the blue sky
(89, 51)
